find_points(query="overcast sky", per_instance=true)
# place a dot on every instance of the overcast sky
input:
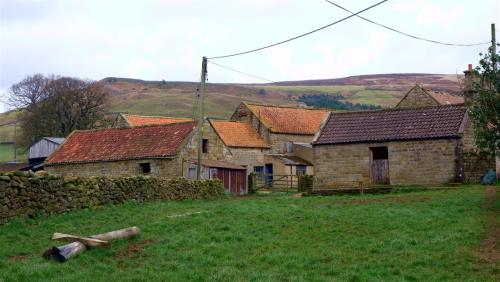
(156, 40)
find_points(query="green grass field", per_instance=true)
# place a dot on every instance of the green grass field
(7, 153)
(418, 236)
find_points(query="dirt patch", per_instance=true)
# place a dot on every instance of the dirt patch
(396, 200)
(133, 249)
(18, 258)
(489, 248)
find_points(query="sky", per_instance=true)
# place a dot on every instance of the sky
(155, 40)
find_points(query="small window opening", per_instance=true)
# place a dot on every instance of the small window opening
(300, 169)
(380, 153)
(146, 168)
(204, 145)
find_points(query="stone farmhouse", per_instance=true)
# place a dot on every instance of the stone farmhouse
(424, 146)
(421, 97)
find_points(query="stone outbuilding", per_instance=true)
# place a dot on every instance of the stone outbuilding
(279, 125)
(149, 150)
(247, 147)
(420, 97)
(423, 146)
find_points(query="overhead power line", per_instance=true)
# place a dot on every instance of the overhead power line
(406, 34)
(298, 87)
(243, 73)
(298, 36)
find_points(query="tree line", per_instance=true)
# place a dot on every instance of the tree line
(56, 105)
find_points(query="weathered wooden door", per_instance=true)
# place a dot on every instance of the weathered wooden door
(380, 171)
(380, 165)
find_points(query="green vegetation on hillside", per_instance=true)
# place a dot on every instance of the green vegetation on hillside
(333, 102)
(420, 236)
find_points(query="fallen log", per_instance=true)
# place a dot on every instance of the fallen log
(87, 241)
(65, 252)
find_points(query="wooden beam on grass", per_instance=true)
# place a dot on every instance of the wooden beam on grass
(65, 252)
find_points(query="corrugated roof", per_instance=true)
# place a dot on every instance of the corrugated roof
(392, 125)
(57, 140)
(114, 144)
(137, 120)
(289, 120)
(238, 134)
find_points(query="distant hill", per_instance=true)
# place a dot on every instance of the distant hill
(175, 98)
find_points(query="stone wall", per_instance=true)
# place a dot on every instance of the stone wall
(277, 141)
(249, 157)
(159, 167)
(474, 163)
(23, 194)
(423, 162)
(417, 98)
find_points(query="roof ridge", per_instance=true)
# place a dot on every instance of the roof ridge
(155, 116)
(400, 109)
(130, 128)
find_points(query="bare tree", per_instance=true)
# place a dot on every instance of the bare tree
(55, 106)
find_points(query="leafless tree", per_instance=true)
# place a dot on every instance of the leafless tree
(55, 106)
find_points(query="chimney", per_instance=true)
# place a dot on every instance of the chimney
(469, 79)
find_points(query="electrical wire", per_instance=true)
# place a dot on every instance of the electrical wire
(406, 34)
(240, 72)
(298, 87)
(298, 36)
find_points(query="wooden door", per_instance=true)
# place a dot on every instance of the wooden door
(380, 171)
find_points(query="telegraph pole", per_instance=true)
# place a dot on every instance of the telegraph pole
(493, 46)
(201, 113)
(15, 140)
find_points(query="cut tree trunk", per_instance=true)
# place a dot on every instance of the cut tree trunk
(65, 252)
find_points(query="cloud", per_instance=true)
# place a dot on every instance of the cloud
(431, 14)
(330, 60)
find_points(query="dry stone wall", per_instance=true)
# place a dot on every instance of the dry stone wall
(24, 194)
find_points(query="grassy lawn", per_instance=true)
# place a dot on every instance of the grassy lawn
(424, 236)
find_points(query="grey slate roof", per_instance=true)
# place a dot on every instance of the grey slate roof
(392, 125)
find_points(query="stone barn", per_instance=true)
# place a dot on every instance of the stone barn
(423, 146)
(280, 125)
(150, 150)
(247, 147)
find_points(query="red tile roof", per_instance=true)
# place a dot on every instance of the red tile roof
(289, 119)
(122, 144)
(238, 134)
(137, 120)
(392, 125)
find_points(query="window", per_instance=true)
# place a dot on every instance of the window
(146, 168)
(380, 153)
(300, 169)
(192, 172)
(212, 173)
(204, 145)
(259, 171)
